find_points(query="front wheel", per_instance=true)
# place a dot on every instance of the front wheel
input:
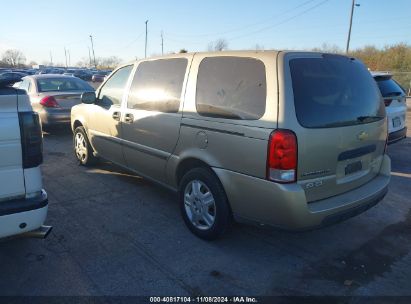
(82, 148)
(203, 203)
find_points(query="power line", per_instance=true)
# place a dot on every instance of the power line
(281, 22)
(267, 27)
(134, 41)
(245, 26)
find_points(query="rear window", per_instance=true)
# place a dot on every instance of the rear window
(388, 87)
(334, 91)
(62, 84)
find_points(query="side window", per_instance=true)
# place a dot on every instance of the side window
(112, 91)
(232, 88)
(157, 85)
(25, 85)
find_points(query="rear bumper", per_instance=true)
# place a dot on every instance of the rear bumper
(397, 135)
(23, 215)
(54, 117)
(285, 205)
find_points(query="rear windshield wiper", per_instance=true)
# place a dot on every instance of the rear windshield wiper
(369, 118)
(359, 120)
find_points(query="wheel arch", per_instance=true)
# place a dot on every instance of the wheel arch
(77, 123)
(186, 165)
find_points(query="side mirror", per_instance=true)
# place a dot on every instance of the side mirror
(88, 97)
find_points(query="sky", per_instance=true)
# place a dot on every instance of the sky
(42, 27)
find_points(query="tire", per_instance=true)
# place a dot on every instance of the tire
(82, 148)
(203, 204)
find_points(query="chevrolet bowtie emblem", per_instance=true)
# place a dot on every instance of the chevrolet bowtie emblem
(362, 136)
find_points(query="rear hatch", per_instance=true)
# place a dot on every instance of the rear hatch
(340, 123)
(11, 167)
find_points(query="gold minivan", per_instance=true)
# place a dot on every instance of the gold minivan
(295, 140)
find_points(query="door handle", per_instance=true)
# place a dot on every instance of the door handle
(116, 116)
(129, 118)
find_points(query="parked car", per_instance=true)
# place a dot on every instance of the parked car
(56, 71)
(84, 75)
(99, 77)
(395, 105)
(12, 76)
(295, 140)
(4, 70)
(31, 71)
(53, 96)
(24, 202)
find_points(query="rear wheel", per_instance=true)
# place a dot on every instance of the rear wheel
(203, 203)
(82, 148)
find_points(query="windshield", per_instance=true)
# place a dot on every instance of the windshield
(334, 91)
(62, 84)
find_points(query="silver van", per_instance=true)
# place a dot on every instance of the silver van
(295, 140)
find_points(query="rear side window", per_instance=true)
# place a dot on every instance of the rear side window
(112, 91)
(388, 87)
(334, 91)
(232, 88)
(157, 85)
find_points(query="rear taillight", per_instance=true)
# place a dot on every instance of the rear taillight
(31, 139)
(49, 102)
(387, 102)
(282, 157)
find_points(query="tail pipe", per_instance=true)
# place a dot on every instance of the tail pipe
(40, 233)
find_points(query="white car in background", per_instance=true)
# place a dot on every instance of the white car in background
(395, 105)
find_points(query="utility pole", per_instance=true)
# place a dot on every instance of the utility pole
(89, 56)
(65, 55)
(92, 47)
(145, 49)
(162, 43)
(349, 30)
(51, 58)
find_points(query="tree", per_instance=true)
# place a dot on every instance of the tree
(108, 62)
(14, 57)
(328, 48)
(218, 45)
(84, 62)
(183, 51)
